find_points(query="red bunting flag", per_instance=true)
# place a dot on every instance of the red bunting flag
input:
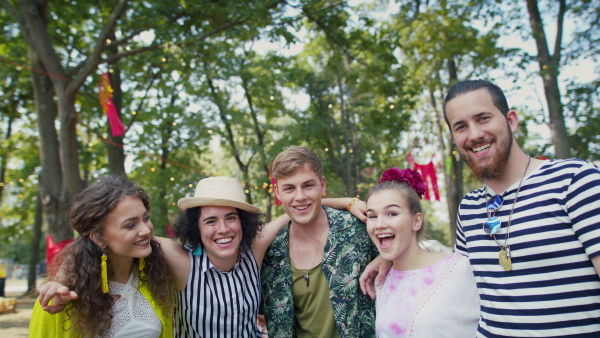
(105, 94)
(429, 175)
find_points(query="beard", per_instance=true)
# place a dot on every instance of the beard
(498, 164)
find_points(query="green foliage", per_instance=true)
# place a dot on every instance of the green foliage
(203, 96)
(436, 225)
(584, 107)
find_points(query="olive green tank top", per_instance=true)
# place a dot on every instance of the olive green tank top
(312, 306)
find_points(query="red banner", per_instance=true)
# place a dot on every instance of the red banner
(105, 95)
(52, 249)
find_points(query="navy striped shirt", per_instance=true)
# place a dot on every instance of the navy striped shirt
(219, 304)
(553, 289)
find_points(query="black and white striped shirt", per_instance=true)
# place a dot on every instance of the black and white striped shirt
(553, 289)
(219, 304)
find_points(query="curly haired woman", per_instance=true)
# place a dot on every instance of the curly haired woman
(216, 263)
(118, 277)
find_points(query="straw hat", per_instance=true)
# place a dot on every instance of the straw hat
(219, 191)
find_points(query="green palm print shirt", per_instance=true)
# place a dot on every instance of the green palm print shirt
(347, 251)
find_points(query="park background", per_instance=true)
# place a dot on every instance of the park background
(213, 87)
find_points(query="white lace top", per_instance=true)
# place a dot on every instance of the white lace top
(133, 314)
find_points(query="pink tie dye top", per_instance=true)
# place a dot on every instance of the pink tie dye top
(399, 293)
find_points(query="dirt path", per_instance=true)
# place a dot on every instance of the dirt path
(15, 324)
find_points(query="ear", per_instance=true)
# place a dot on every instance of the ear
(323, 184)
(513, 120)
(418, 222)
(276, 190)
(96, 238)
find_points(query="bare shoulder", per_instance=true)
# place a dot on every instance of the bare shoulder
(266, 236)
(178, 260)
(171, 247)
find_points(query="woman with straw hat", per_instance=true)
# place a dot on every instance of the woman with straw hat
(216, 270)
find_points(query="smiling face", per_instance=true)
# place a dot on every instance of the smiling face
(483, 136)
(300, 195)
(127, 231)
(391, 225)
(221, 234)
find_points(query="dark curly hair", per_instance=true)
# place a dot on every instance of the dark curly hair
(186, 227)
(79, 262)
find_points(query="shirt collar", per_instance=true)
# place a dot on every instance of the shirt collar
(208, 265)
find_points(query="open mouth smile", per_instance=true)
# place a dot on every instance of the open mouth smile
(143, 242)
(386, 240)
(224, 240)
(481, 148)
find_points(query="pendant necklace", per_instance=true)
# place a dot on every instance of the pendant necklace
(504, 255)
(316, 249)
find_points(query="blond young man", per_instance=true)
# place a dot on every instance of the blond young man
(310, 273)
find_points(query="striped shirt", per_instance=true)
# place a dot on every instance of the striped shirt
(553, 289)
(219, 304)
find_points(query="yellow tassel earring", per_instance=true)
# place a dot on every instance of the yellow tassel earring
(141, 263)
(104, 274)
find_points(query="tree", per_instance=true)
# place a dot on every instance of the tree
(551, 57)
(63, 182)
(441, 47)
(584, 108)
(359, 96)
(62, 177)
(549, 63)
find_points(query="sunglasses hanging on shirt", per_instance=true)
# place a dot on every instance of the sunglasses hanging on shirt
(492, 224)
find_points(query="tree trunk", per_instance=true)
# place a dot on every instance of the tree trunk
(5, 156)
(452, 189)
(549, 65)
(162, 188)
(51, 181)
(33, 25)
(72, 183)
(457, 192)
(346, 157)
(260, 138)
(35, 245)
(456, 182)
(229, 135)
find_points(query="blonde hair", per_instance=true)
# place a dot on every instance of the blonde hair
(294, 158)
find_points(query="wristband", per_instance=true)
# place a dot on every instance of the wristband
(351, 203)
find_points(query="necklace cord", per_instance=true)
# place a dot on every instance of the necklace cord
(317, 247)
(512, 208)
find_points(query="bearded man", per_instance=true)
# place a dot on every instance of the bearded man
(532, 232)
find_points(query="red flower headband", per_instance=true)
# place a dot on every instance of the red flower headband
(412, 177)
